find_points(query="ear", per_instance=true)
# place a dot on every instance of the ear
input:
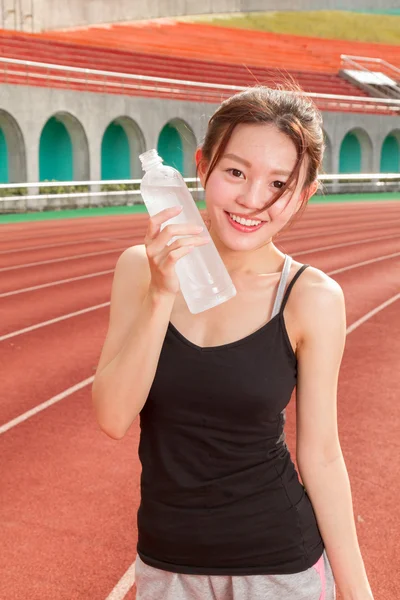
(201, 165)
(313, 189)
(309, 192)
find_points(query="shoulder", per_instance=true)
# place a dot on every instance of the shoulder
(132, 272)
(316, 287)
(317, 303)
(134, 260)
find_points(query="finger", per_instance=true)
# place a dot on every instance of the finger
(157, 220)
(159, 257)
(172, 257)
(167, 235)
(189, 241)
(166, 214)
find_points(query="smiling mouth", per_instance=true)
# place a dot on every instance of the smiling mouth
(243, 227)
(245, 217)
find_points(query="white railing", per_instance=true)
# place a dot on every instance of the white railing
(127, 83)
(363, 69)
(105, 182)
(358, 60)
(94, 196)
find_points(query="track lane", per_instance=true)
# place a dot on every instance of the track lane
(73, 466)
(317, 218)
(23, 309)
(17, 259)
(369, 425)
(69, 499)
(78, 341)
(64, 485)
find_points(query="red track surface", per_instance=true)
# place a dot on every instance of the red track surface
(69, 494)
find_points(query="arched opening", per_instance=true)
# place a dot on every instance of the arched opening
(390, 153)
(115, 153)
(355, 152)
(350, 155)
(56, 153)
(63, 150)
(12, 150)
(177, 146)
(170, 147)
(122, 143)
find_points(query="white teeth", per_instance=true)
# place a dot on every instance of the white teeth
(242, 221)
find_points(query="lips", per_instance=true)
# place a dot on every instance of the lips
(244, 228)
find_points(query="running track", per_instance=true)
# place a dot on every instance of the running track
(69, 494)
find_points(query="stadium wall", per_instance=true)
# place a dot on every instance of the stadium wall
(42, 15)
(24, 112)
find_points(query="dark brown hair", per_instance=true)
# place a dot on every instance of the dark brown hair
(289, 110)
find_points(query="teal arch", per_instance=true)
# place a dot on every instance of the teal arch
(390, 155)
(115, 153)
(56, 153)
(350, 155)
(170, 147)
(4, 171)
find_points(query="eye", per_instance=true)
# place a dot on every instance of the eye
(280, 184)
(235, 172)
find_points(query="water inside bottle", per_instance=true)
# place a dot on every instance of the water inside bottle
(192, 267)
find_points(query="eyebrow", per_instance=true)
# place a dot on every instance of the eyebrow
(246, 163)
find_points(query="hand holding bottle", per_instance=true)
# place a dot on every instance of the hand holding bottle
(203, 278)
(163, 256)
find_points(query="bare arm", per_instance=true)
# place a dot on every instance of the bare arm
(319, 455)
(142, 297)
(138, 322)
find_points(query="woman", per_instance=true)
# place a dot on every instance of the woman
(223, 514)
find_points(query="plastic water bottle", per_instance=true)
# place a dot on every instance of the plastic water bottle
(202, 275)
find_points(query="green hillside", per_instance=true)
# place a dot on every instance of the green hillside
(356, 26)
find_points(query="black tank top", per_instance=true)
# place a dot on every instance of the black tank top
(219, 492)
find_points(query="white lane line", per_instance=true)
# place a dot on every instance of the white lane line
(345, 244)
(285, 238)
(64, 244)
(104, 304)
(365, 262)
(124, 585)
(8, 336)
(60, 282)
(99, 273)
(58, 260)
(372, 313)
(34, 411)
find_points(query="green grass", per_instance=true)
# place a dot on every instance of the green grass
(341, 25)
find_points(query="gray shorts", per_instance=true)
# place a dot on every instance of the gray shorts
(315, 583)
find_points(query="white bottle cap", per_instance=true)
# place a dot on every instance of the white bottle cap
(149, 159)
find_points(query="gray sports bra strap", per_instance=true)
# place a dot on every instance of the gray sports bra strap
(282, 285)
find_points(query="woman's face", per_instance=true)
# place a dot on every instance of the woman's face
(255, 165)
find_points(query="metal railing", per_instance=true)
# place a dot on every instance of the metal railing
(31, 72)
(363, 69)
(358, 60)
(96, 195)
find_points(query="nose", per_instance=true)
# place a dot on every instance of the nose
(254, 196)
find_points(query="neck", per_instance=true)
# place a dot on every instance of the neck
(260, 261)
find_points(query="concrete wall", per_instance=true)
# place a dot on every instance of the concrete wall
(41, 15)
(25, 110)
